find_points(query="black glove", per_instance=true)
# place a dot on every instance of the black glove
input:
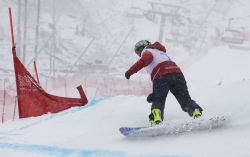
(127, 75)
(13, 48)
(150, 98)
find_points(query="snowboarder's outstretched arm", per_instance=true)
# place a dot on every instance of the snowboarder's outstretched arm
(144, 61)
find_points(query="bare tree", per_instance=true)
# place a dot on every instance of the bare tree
(37, 28)
(53, 46)
(19, 12)
(25, 30)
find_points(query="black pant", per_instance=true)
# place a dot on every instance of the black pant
(176, 84)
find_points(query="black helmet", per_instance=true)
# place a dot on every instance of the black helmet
(140, 45)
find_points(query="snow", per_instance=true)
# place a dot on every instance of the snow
(94, 129)
(218, 78)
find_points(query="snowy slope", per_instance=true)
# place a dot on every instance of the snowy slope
(93, 130)
(218, 79)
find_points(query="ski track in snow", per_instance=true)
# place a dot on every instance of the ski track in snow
(58, 151)
(65, 152)
(52, 116)
(5, 142)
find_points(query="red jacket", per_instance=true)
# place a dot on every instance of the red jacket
(162, 68)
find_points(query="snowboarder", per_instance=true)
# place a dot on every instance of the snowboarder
(166, 76)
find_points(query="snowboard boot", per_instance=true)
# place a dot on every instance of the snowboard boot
(197, 113)
(155, 117)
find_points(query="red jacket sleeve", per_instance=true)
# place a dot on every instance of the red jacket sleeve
(145, 60)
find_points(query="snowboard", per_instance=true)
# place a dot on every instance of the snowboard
(174, 127)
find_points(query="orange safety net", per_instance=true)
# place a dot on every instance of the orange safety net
(34, 101)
